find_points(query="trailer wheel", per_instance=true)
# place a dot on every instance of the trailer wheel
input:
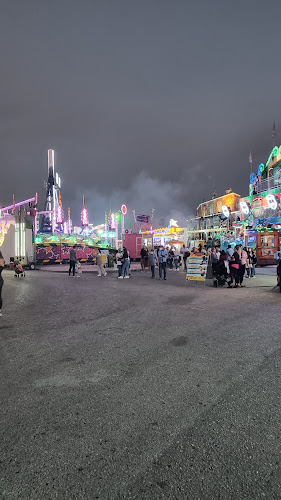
(32, 266)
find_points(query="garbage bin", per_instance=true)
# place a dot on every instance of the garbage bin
(110, 260)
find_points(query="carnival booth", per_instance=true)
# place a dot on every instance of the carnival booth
(171, 235)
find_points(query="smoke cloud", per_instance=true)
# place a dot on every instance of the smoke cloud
(169, 200)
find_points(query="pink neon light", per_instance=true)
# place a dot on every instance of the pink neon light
(59, 215)
(84, 217)
(18, 204)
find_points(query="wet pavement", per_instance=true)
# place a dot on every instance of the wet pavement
(139, 388)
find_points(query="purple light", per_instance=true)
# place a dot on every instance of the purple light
(18, 204)
(112, 222)
(59, 215)
(84, 217)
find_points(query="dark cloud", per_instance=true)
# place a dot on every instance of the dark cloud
(137, 98)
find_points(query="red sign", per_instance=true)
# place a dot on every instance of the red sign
(124, 209)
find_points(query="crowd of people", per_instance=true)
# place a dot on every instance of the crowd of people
(165, 258)
(234, 263)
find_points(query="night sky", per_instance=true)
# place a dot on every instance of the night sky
(154, 103)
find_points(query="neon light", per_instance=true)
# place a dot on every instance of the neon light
(271, 201)
(225, 211)
(261, 168)
(112, 221)
(84, 214)
(124, 209)
(244, 207)
(84, 217)
(18, 204)
(59, 215)
(274, 152)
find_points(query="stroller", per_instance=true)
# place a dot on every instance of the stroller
(19, 271)
(220, 274)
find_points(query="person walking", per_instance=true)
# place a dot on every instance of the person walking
(72, 261)
(152, 262)
(119, 257)
(163, 256)
(176, 259)
(2, 265)
(185, 254)
(126, 264)
(101, 270)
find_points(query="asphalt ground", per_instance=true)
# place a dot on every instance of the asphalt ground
(139, 388)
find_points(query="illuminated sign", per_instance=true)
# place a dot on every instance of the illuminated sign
(124, 209)
(273, 153)
(164, 230)
(271, 201)
(244, 207)
(225, 211)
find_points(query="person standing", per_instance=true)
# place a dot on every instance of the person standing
(72, 260)
(101, 270)
(234, 269)
(243, 262)
(163, 256)
(229, 252)
(218, 253)
(170, 258)
(144, 256)
(2, 265)
(152, 262)
(119, 257)
(254, 262)
(126, 264)
(214, 260)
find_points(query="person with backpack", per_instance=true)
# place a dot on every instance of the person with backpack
(185, 254)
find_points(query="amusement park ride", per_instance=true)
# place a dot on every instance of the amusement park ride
(50, 236)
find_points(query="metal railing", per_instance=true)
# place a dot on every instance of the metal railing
(267, 184)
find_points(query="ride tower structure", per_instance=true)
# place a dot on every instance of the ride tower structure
(53, 185)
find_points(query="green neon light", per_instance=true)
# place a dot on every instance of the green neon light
(274, 152)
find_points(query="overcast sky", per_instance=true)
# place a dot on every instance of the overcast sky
(154, 103)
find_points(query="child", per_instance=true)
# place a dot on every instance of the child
(79, 269)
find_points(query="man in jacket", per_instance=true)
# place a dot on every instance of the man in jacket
(72, 260)
(163, 256)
